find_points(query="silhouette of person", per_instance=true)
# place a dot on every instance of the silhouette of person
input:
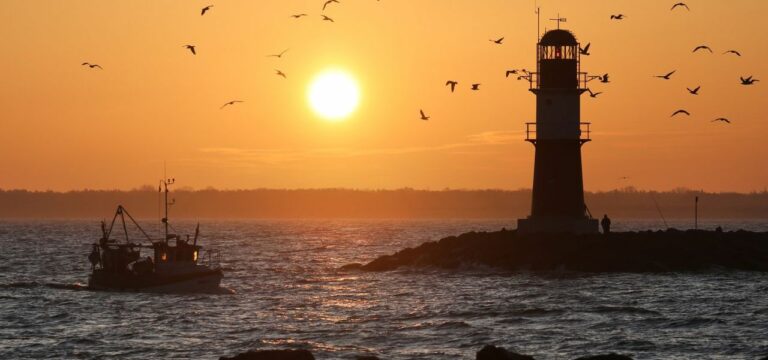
(606, 224)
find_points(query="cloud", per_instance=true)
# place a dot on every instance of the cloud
(241, 156)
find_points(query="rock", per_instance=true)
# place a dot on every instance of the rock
(490, 352)
(648, 251)
(610, 356)
(353, 266)
(272, 355)
(367, 357)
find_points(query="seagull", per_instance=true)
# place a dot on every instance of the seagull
(680, 4)
(278, 55)
(280, 73)
(298, 16)
(702, 47)
(475, 87)
(191, 48)
(92, 65)
(666, 77)
(205, 9)
(594, 95)
(423, 116)
(233, 102)
(722, 120)
(617, 17)
(624, 178)
(452, 84)
(732, 52)
(694, 91)
(748, 81)
(497, 41)
(681, 111)
(514, 72)
(585, 50)
(327, 18)
(604, 78)
(328, 2)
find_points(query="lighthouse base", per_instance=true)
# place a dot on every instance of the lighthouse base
(538, 225)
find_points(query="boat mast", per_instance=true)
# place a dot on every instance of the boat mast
(166, 182)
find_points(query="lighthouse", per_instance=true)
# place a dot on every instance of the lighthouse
(558, 136)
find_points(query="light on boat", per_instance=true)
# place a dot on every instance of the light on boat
(163, 257)
(194, 256)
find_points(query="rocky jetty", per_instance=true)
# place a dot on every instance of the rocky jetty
(272, 355)
(648, 251)
(488, 352)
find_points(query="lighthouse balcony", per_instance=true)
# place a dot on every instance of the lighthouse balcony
(532, 134)
(557, 80)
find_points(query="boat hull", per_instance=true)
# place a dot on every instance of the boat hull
(195, 282)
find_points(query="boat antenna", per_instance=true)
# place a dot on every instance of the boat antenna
(166, 183)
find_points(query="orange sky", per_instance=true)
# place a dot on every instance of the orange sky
(63, 126)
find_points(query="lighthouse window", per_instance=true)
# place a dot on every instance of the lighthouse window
(558, 53)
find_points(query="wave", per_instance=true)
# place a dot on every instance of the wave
(35, 284)
(624, 310)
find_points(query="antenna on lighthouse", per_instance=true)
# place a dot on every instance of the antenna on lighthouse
(559, 20)
(537, 11)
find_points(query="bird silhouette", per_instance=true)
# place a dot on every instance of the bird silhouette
(325, 18)
(722, 120)
(296, 16)
(694, 91)
(423, 116)
(732, 52)
(585, 50)
(748, 81)
(681, 111)
(604, 78)
(452, 84)
(514, 72)
(233, 102)
(278, 55)
(618, 17)
(667, 76)
(476, 87)
(191, 48)
(680, 5)
(92, 65)
(280, 73)
(702, 47)
(593, 95)
(497, 41)
(329, 2)
(205, 9)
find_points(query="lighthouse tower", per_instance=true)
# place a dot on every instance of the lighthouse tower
(558, 135)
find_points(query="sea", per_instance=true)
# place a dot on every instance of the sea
(284, 289)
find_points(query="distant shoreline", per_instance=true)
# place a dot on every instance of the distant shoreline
(370, 204)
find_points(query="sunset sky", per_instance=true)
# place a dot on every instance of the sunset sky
(64, 126)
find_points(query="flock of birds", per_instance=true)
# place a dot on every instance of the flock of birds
(520, 73)
(605, 78)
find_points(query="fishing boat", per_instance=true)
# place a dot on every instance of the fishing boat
(175, 263)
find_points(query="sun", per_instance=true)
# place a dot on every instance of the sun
(334, 94)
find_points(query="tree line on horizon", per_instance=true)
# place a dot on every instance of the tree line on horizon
(146, 203)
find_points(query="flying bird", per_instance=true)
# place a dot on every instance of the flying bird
(694, 91)
(92, 65)
(514, 72)
(497, 41)
(475, 87)
(191, 48)
(233, 102)
(296, 16)
(680, 5)
(327, 18)
(452, 84)
(681, 111)
(585, 50)
(617, 17)
(702, 47)
(205, 9)
(722, 120)
(278, 55)
(732, 52)
(593, 95)
(748, 81)
(280, 73)
(667, 76)
(604, 78)
(423, 116)
(329, 2)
